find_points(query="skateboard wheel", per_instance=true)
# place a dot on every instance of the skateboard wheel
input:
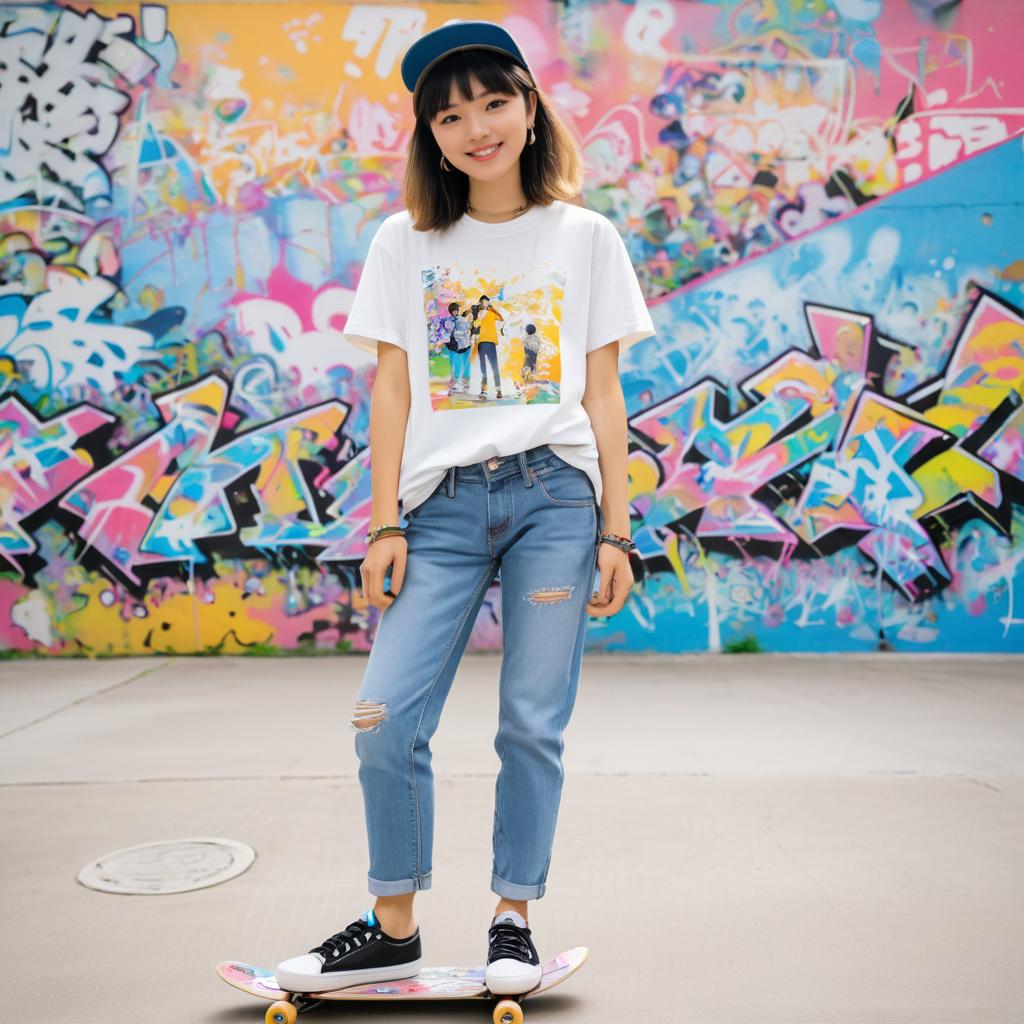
(282, 1013)
(508, 1011)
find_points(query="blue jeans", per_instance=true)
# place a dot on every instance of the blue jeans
(488, 353)
(536, 518)
(459, 363)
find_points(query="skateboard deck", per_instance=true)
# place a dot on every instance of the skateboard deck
(430, 983)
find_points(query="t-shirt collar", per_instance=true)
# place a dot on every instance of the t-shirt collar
(507, 227)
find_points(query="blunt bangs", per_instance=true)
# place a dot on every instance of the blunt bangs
(495, 71)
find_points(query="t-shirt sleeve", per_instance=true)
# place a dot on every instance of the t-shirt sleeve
(618, 310)
(376, 313)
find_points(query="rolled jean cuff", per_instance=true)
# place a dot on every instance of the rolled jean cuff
(512, 891)
(399, 887)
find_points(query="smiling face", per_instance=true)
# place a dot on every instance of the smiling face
(483, 135)
(469, 100)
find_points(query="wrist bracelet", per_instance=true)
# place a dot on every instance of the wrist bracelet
(383, 530)
(616, 541)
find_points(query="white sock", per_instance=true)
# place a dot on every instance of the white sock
(512, 917)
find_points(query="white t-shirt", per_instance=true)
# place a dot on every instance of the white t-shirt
(562, 268)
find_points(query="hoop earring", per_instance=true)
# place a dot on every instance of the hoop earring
(445, 166)
(531, 138)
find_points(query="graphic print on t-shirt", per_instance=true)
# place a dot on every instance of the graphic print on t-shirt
(493, 338)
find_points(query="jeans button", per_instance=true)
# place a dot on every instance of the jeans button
(493, 463)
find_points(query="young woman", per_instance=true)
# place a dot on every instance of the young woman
(523, 489)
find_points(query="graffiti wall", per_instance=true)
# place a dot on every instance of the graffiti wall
(823, 201)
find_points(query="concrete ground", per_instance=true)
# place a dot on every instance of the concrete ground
(742, 838)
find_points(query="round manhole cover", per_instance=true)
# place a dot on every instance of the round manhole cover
(179, 865)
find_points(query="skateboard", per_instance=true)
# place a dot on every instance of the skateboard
(430, 983)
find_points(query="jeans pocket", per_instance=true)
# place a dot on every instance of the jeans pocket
(567, 486)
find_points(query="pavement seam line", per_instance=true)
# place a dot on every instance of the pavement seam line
(81, 700)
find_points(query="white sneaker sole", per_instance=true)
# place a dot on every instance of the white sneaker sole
(330, 980)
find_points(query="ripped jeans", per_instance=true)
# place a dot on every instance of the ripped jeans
(535, 518)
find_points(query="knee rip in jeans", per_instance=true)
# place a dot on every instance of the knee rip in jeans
(369, 716)
(554, 595)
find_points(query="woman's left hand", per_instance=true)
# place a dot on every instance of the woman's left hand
(616, 581)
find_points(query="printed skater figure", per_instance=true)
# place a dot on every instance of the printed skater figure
(531, 346)
(487, 343)
(446, 333)
(463, 344)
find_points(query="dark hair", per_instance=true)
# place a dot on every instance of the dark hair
(530, 329)
(551, 168)
(452, 306)
(485, 298)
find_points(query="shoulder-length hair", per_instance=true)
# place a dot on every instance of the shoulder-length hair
(551, 168)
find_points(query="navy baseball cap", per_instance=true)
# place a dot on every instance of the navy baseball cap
(456, 35)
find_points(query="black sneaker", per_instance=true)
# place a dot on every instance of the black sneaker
(513, 966)
(360, 955)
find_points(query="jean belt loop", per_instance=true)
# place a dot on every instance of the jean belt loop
(450, 486)
(525, 470)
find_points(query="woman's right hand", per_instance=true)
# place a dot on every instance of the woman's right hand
(389, 550)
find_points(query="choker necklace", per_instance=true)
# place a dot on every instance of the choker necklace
(515, 213)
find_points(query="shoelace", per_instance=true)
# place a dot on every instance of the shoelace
(509, 940)
(332, 945)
